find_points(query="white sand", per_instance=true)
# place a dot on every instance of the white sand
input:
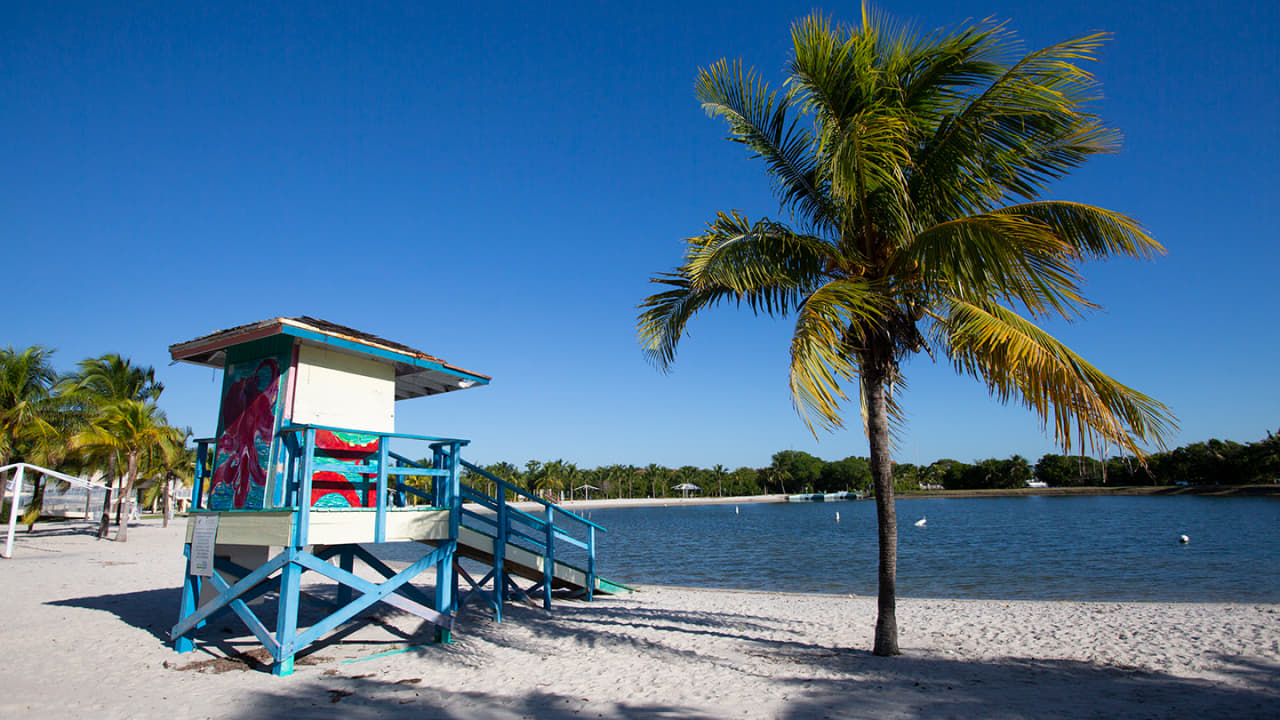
(83, 626)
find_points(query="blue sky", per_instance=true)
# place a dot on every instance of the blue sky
(495, 185)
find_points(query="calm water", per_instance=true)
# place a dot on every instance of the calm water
(1077, 548)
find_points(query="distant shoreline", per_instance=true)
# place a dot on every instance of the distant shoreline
(659, 502)
(1152, 491)
(1272, 490)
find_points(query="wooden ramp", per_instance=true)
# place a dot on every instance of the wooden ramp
(479, 546)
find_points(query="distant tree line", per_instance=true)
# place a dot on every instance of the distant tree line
(1215, 462)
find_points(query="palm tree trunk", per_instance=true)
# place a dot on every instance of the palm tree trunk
(120, 503)
(36, 505)
(168, 501)
(126, 498)
(105, 524)
(886, 640)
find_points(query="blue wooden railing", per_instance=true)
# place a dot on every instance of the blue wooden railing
(539, 534)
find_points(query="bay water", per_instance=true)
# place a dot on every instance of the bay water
(1113, 548)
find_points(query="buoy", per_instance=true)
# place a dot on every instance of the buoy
(921, 522)
(1184, 539)
(735, 509)
(837, 516)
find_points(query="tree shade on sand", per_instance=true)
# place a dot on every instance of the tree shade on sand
(909, 170)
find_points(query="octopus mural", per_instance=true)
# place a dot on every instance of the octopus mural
(248, 425)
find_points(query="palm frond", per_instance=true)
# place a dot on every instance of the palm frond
(1092, 232)
(759, 119)
(868, 152)
(861, 133)
(665, 315)
(1027, 127)
(934, 73)
(1017, 360)
(765, 264)
(1005, 256)
(821, 353)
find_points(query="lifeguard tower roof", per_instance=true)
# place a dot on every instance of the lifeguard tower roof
(416, 373)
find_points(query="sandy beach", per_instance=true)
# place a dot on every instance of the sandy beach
(84, 634)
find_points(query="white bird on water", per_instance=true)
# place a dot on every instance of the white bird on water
(921, 522)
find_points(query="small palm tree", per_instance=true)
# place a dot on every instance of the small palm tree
(133, 429)
(912, 170)
(99, 383)
(171, 463)
(719, 471)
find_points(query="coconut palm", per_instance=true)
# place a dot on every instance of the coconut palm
(35, 420)
(100, 383)
(170, 463)
(110, 377)
(134, 430)
(29, 412)
(719, 471)
(910, 171)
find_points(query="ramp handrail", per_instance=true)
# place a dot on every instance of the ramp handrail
(520, 492)
(546, 544)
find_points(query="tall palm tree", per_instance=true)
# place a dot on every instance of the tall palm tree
(911, 169)
(134, 429)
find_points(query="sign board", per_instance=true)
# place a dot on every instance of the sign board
(203, 539)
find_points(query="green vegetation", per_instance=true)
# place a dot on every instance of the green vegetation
(100, 419)
(1216, 462)
(910, 172)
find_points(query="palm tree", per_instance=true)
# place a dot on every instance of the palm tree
(29, 414)
(656, 476)
(134, 429)
(911, 170)
(171, 463)
(111, 377)
(719, 471)
(35, 420)
(102, 382)
(506, 471)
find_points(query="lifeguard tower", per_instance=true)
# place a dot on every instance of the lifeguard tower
(302, 472)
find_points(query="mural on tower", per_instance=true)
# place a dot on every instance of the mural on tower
(247, 425)
(344, 489)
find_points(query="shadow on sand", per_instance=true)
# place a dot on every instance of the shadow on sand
(227, 638)
(817, 681)
(864, 686)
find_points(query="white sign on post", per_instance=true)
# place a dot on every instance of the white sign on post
(202, 541)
